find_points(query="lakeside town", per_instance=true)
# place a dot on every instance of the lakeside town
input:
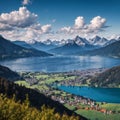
(46, 83)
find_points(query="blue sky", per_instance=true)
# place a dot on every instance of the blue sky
(58, 18)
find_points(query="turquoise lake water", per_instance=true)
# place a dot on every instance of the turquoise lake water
(110, 95)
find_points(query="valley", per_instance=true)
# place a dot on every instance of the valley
(48, 84)
(59, 60)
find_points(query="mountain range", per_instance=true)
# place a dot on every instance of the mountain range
(76, 46)
(73, 46)
(10, 50)
(98, 41)
(83, 46)
(69, 46)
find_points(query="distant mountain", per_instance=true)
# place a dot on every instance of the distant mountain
(36, 99)
(95, 41)
(9, 50)
(110, 42)
(118, 38)
(8, 74)
(55, 43)
(73, 46)
(81, 41)
(112, 50)
(68, 48)
(109, 78)
(22, 44)
(42, 46)
(98, 41)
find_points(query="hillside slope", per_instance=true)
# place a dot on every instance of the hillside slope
(10, 50)
(110, 50)
(22, 44)
(12, 110)
(8, 74)
(71, 48)
(109, 78)
(36, 99)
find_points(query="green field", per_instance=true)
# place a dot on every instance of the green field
(43, 83)
(109, 106)
(95, 115)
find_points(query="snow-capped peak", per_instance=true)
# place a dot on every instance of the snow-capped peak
(98, 41)
(30, 41)
(47, 42)
(80, 41)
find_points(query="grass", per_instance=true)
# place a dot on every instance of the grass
(69, 107)
(42, 76)
(23, 83)
(111, 106)
(95, 115)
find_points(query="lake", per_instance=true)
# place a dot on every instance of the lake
(110, 95)
(60, 63)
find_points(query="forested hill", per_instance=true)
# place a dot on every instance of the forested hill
(36, 99)
(109, 78)
(5, 72)
(109, 50)
(10, 50)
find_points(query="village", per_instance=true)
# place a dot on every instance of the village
(47, 84)
(78, 102)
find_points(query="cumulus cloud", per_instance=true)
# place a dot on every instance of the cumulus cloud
(97, 22)
(66, 29)
(96, 25)
(79, 22)
(46, 28)
(21, 18)
(23, 24)
(115, 36)
(5, 27)
(25, 2)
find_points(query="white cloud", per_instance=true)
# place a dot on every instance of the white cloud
(96, 25)
(46, 28)
(26, 2)
(22, 25)
(5, 27)
(66, 29)
(114, 36)
(79, 22)
(21, 18)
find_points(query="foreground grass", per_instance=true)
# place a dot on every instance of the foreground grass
(95, 115)
(111, 106)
